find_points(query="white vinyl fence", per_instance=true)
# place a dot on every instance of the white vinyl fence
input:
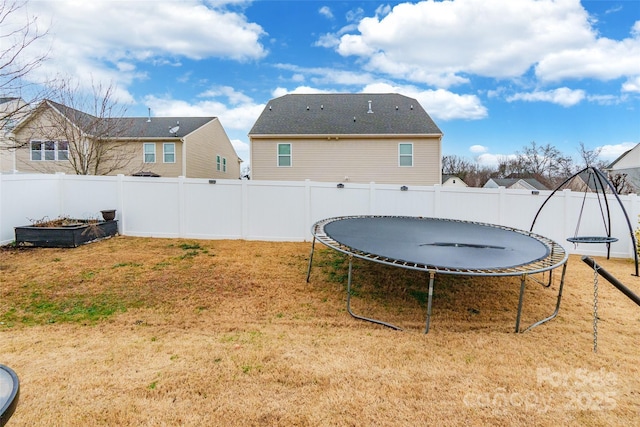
(285, 211)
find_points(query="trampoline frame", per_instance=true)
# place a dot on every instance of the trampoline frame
(557, 256)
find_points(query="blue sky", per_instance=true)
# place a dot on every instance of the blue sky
(494, 75)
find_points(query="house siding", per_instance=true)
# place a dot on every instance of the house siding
(158, 167)
(201, 147)
(201, 154)
(349, 160)
(32, 130)
(630, 160)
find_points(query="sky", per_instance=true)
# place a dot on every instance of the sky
(495, 75)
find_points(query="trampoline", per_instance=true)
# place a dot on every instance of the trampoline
(442, 246)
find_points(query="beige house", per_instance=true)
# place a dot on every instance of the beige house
(57, 138)
(361, 138)
(452, 181)
(12, 110)
(628, 165)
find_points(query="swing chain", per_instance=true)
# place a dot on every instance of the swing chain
(595, 309)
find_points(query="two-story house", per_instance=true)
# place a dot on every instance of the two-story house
(362, 138)
(52, 137)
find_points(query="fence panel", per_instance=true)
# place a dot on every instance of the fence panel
(273, 210)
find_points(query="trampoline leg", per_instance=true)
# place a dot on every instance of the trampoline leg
(379, 322)
(523, 281)
(313, 245)
(432, 276)
(555, 312)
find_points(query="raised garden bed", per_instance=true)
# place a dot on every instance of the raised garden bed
(67, 233)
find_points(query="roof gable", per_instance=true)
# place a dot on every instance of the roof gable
(626, 159)
(344, 114)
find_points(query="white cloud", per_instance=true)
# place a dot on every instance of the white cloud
(442, 43)
(492, 160)
(613, 151)
(440, 104)
(604, 59)
(478, 149)
(228, 92)
(114, 33)
(632, 85)
(240, 146)
(562, 96)
(327, 76)
(280, 91)
(240, 117)
(326, 12)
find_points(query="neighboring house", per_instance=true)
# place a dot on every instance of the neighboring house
(515, 183)
(12, 110)
(452, 180)
(582, 182)
(362, 138)
(628, 163)
(193, 147)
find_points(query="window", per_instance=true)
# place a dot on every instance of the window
(149, 152)
(49, 150)
(36, 150)
(224, 164)
(63, 150)
(284, 155)
(405, 154)
(169, 152)
(218, 163)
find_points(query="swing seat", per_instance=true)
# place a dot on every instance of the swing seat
(592, 239)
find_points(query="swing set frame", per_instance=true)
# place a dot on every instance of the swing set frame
(601, 183)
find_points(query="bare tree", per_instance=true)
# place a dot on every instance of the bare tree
(543, 162)
(620, 183)
(17, 61)
(591, 157)
(458, 166)
(93, 127)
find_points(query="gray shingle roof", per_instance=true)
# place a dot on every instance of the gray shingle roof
(158, 127)
(508, 182)
(344, 114)
(134, 127)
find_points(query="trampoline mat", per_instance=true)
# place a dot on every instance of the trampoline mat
(438, 242)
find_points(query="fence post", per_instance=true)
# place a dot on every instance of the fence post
(307, 208)
(182, 217)
(60, 190)
(120, 203)
(244, 206)
(502, 194)
(437, 188)
(372, 197)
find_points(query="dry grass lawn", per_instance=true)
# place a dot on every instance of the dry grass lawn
(164, 332)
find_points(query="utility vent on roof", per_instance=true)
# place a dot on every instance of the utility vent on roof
(370, 110)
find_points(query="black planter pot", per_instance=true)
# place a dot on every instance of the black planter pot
(108, 214)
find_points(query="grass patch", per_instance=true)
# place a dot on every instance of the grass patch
(40, 310)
